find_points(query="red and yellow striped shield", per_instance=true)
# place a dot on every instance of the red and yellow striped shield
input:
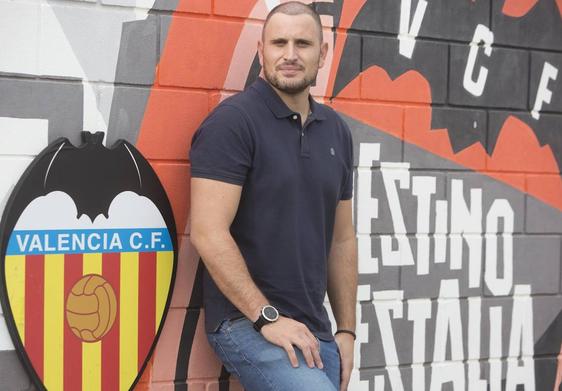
(39, 287)
(87, 303)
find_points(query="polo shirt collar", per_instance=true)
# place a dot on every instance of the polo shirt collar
(278, 107)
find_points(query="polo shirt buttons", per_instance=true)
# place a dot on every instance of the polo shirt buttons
(295, 117)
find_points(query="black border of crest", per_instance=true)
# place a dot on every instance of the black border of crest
(4, 238)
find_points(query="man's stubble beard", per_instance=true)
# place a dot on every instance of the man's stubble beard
(287, 87)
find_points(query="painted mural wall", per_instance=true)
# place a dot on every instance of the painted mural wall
(456, 112)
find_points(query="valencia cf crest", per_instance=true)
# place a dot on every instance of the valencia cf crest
(88, 255)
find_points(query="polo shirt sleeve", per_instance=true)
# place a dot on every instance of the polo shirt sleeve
(347, 189)
(222, 147)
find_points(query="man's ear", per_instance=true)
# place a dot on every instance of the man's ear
(323, 54)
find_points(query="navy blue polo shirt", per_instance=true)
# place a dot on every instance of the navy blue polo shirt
(292, 179)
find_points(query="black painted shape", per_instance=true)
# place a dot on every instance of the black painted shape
(323, 8)
(428, 58)
(380, 16)
(506, 84)
(350, 63)
(541, 27)
(188, 331)
(455, 20)
(254, 71)
(465, 127)
(71, 171)
(538, 60)
(549, 132)
(545, 372)
(224, 380)
(508, 69)
(442, 19)
(336, 11)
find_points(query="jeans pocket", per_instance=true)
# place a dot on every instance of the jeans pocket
(238, 322)
(221, 328)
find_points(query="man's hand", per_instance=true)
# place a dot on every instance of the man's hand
(345, 344)
(286, 332)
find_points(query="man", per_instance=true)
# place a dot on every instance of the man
(271, 218)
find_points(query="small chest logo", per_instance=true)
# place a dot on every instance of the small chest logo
(332, 152)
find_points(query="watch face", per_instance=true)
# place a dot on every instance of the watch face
(270, 313)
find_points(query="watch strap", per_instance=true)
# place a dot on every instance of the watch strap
(258, 324)
(262, 320)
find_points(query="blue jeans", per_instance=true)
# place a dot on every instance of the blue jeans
(262, 366)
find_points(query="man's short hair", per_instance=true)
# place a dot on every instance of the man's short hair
(295, 8)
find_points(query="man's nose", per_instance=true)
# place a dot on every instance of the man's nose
(290, 52)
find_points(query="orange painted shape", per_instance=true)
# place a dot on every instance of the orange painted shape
(547, 188)
(350, 9)
(144, 382)
(238, 8)
(217, 97)
(243, 57)
(234, 385)
(204, 362)
(175, 179)
(559, 4)
(166, 351)
(384, 117)
(196, 6)
(517, 149)
(169, 386)
(214, 100)
(198, 52)
(170, 119)
(195, 385)
(518, 8)
(410, 86)
(188, 260)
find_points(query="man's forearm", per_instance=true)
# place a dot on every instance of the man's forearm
(228, 269)
(342, 282)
